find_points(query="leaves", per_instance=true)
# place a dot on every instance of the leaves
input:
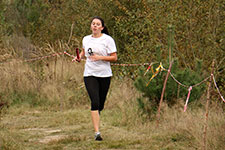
(138, 26)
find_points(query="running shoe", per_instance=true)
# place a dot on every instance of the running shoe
(98, 137)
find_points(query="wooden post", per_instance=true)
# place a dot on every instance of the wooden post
(38, 75)
(62, 71)
(207, 109)
(55, 70)
(162, 94)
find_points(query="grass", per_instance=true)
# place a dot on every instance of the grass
(30, 128)
(37, 128)
(52, 112)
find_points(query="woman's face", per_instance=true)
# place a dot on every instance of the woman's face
(96, 26)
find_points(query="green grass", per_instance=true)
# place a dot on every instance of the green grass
(71, 129)
(40, 128)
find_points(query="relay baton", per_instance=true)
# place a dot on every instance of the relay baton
(78, 56)
(77, 51)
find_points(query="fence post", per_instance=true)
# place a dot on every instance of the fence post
(55, 68)
(62, 68)
(162, 94)
(170, 49)
(207, 109)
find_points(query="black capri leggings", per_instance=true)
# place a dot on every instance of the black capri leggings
(97, 88)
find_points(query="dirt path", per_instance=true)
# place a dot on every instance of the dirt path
(71, 129)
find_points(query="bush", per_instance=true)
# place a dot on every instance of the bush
(173, 91)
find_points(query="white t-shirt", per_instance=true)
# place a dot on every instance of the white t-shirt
(103, 46)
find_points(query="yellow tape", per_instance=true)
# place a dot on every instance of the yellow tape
(158, 69)
(162, 66)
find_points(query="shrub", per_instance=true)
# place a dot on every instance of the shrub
(173, 91)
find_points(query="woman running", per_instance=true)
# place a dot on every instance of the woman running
(99, 49)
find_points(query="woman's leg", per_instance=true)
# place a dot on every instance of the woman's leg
(104, 85)
(92, 86)
(95, 120)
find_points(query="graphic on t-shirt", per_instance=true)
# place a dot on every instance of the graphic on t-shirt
(90, 51)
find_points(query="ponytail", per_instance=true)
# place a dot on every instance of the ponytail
(105, 29)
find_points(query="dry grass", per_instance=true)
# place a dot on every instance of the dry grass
(58, 80)
(62, 118)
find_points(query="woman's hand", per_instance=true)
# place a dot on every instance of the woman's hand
(95, 57)
(111, 58)
(76, 59)
(81, 55)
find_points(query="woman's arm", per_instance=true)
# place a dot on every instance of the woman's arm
(111, 58)
(82, 54)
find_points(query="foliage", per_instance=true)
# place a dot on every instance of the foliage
(22, 16)
(137, 26)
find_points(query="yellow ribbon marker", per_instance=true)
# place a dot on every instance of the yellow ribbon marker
(158, 69)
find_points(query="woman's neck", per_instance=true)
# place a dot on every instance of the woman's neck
(97, 35)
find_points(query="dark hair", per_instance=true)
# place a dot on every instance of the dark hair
(105, 30)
